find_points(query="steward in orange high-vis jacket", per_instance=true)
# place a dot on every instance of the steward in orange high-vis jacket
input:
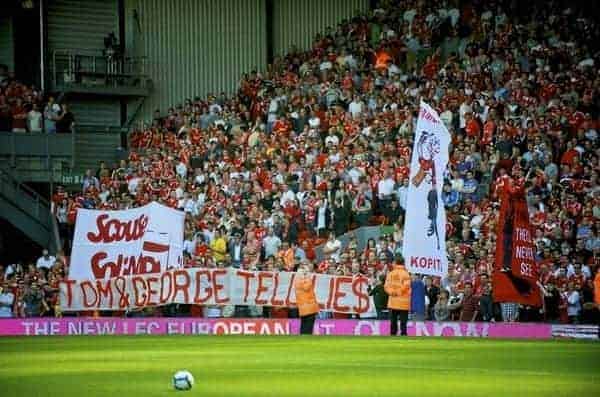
(306, 300)
(397, 286)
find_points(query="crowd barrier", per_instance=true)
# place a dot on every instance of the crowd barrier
(230, 326)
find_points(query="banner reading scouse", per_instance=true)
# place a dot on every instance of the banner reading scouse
(142, 240)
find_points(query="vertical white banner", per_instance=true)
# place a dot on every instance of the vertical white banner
(424, 247)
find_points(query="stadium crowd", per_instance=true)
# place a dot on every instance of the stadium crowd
(24, 108)
(320, 143)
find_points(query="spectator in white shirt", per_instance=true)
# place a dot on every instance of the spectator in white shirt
(356, 106)
(90, 180)
(7, 299)
(45, 261)
(181, 169)
(314, 121)
(454, 15)
(332, 139)
(385, 187)
(51, 114)
(287, 195)
(355, 173)
(573, 304)
(576, 268)
(189, 244)
(271, 243)
(34, 119)
(402, 194)
(465, 107)
(332, 248)
(325, 66)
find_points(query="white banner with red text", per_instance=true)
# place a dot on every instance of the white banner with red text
(142, 240)
(198, 286)
(424, 248)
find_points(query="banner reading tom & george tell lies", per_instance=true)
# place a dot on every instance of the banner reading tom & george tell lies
(201, 286)
(424, 247)
(142, 240)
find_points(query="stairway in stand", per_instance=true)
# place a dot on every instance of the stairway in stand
(28, 211)
(93, 147)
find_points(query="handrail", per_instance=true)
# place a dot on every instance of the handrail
(39, 209)
(35, 144)
(8, 177)
(70, 66)
(54, 228)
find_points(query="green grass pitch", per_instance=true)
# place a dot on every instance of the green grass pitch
(297, 366)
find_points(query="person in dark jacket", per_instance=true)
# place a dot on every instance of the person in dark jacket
(551, 303)
(486, 303)
(432, 291)
(380, 297)
(342, 210)
(235, 249)
(394, 213)
(417, 298)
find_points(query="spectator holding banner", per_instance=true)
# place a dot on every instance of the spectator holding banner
(306, 301)
(380, 297)
(398, 287)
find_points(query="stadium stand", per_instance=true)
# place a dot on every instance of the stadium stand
(320, 142)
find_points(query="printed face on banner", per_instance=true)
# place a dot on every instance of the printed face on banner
(425, 223)
(142, 240)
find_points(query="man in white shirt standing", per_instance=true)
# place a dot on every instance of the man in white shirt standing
(332, 139)
(90, 180)
(45, 261)
(332, 248)
(402, 194)
(7, 299)
(385, 191)
(355, 107)
(287, 195)
(465, 107)
(355, 173)
(34, 119)
(271, 243)
(181, 169)
(573, 304)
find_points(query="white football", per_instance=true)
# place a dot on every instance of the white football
(183, 380)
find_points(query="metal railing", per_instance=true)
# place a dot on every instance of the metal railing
(38, 145)
(30, 202)
(80, 67)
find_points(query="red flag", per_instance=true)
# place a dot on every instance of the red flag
(516, 271)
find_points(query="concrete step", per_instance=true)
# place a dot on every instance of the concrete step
(92, 148)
